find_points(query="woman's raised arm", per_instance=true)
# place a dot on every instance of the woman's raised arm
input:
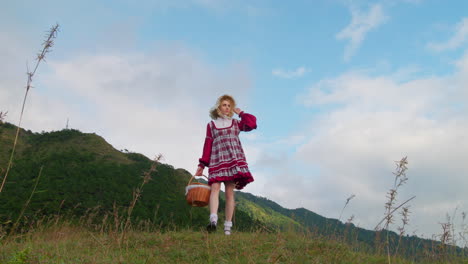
(248, 122)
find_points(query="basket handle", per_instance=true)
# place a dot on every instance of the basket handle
(190, 181)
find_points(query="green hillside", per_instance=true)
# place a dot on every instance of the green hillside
(305, 220)
(7, 137)
(83, 172)
(84, 176)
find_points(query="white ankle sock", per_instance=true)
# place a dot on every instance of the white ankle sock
(214, 218)
(227, 227)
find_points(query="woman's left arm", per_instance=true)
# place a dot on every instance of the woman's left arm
(248, 121)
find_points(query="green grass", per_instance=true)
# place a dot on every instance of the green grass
(71, 244)
(77, 245)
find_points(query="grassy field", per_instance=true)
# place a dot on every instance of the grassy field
(70, 244)
(77, 245)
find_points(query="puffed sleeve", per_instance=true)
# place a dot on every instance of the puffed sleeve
(205, 159)
(248, 122)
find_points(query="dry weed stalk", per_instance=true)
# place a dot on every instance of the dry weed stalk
(103, 224)
(446, 238)
(115, 213)
(464, 232)
(2, 116)
(15, 225)
(400, 179)
(346, 204)
(401, 229)
(350, 220)
(47, 45)
(390, 208)
(57, 217)
(137, 194)
(454, 239)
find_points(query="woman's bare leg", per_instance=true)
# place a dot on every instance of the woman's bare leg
(214, 198)
(230, 204)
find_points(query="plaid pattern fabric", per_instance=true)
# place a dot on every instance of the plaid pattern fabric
(227, 161)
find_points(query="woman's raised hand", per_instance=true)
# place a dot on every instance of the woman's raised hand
(199, 172)
(237, 110)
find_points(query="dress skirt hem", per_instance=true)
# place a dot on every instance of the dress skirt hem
(241, 179)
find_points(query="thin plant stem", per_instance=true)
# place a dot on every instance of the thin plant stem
(347, 202)
(388, 250)
(396, 208)
(2, 116)
(136, 195)
(405, 221)
(27, 202)
(400, 179)
(47, 45)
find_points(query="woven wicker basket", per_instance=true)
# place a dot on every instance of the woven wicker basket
(197, 194)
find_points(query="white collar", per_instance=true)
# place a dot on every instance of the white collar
(223, 121)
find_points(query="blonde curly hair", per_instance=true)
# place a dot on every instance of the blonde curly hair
(215, 112)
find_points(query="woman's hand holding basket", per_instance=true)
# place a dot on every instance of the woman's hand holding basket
(199, 172)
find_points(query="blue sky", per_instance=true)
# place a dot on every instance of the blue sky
(341, 90)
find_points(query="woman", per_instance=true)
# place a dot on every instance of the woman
(224, 156)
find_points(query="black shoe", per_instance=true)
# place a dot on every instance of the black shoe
(211, 227)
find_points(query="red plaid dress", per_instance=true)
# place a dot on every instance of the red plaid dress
(223, 152)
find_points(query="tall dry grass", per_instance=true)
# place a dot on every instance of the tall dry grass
(136, 195)
(449, 239)
(67, 242)
(25, 206)
(75, 244)
(346, 204)
(401, 229)
(463, 233)
(46, 48)
(391, 207)
(2, 116)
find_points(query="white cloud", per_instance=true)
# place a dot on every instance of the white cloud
(148, 103)
(299, 72)
(361, 24)
(459, 38)
(365, 122)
